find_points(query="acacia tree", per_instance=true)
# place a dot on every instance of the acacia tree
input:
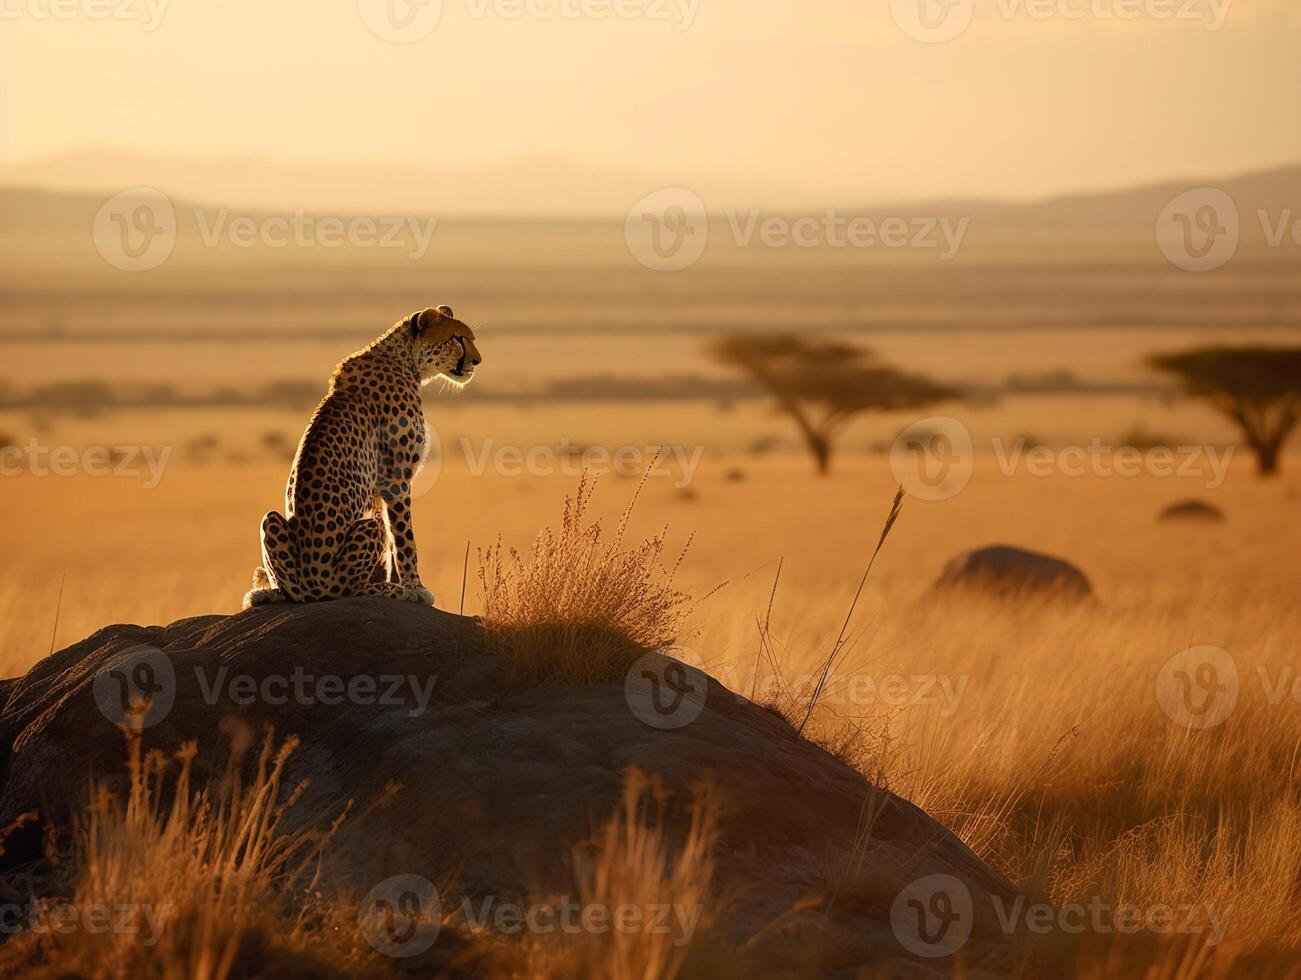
(822, 385)
(1258, 387)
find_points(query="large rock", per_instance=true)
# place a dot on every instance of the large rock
(498, 781)
(1014, 571)
(1192, 510)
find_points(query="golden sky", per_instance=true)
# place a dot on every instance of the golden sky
(831, 97)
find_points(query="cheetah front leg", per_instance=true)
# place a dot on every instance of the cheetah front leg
(397, 502)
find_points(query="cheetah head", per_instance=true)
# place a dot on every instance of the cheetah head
(443, 345)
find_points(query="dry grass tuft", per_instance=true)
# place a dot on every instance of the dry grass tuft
(219, 884)
(580, 609)
(635, 863)
(644, 882)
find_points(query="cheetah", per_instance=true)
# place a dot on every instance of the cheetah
(347, 527)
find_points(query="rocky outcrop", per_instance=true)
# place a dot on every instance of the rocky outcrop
(1192, 510)
(1014, 571)
(498, 782)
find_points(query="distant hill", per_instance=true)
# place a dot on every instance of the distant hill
(525, 187)
(61, 195)
(1124, 213)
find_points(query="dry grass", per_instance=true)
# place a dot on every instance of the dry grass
(1063, 773)
(579, 609)
(1055, 764)
(227, 893)
(221, 886)
(636, 862)
(1055, 761)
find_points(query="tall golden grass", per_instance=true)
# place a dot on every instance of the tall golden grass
(635, 861)
(1080, 790)
(1056, 764)
(225, 881)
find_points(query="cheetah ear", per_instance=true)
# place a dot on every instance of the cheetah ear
(415, 326)
(447, 311)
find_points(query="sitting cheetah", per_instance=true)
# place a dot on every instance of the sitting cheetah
(347, 529)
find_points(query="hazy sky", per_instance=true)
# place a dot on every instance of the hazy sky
(830, 96)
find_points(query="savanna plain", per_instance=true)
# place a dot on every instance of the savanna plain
(1040, 733)
(1034, 732)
